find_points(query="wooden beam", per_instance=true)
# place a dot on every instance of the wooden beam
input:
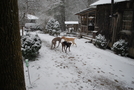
(112, 24)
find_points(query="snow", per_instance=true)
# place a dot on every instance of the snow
(71, 22)
(31, 25)
(85, 67)
(99, 2)
(94, 31)
(29, 16)
(30, 44)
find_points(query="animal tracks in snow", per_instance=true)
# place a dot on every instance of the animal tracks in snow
(83, 72)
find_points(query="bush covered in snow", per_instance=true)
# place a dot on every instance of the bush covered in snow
(120, 47)
(101, 41)
(53, 27)
(30, 45)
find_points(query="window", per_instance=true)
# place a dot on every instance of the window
(84, 20)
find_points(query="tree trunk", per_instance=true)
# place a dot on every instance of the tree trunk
(11, 65)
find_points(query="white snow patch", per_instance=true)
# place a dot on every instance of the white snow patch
(84, 68)
(99, 2)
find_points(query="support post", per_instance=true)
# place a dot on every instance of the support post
(112, 20)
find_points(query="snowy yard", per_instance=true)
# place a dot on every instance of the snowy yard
(84, 68)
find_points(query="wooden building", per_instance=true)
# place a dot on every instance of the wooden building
(86, 19)
(31, 18)
(120, 24)
(71, 25)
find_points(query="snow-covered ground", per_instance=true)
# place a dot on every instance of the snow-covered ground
(86, 67)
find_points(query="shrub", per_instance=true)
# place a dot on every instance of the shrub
(120, 47)
(30, 45)
(101, 41)
(53, 27)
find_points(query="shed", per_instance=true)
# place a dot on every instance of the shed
(31, 18)
(31, 23)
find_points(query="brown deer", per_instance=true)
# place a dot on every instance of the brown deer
(69, 39)
(57, 39)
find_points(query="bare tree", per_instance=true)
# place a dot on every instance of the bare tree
(74, 6)
(11, 65)
(52, 9)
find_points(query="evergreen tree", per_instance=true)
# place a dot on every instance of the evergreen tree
(53, 26)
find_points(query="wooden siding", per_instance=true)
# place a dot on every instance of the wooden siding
(106, 24)
(103, 20)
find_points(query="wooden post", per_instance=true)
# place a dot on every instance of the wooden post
(87, 23)
(112, 3)
(22, 31)
(112, 24)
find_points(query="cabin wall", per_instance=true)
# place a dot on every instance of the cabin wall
(103, 19)
(106, 25)
(119, 9)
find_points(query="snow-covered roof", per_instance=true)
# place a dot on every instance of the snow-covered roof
(90, 9)
(29, 16)
(71, 22)
(99, 2)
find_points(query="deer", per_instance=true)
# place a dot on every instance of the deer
(57, 39)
